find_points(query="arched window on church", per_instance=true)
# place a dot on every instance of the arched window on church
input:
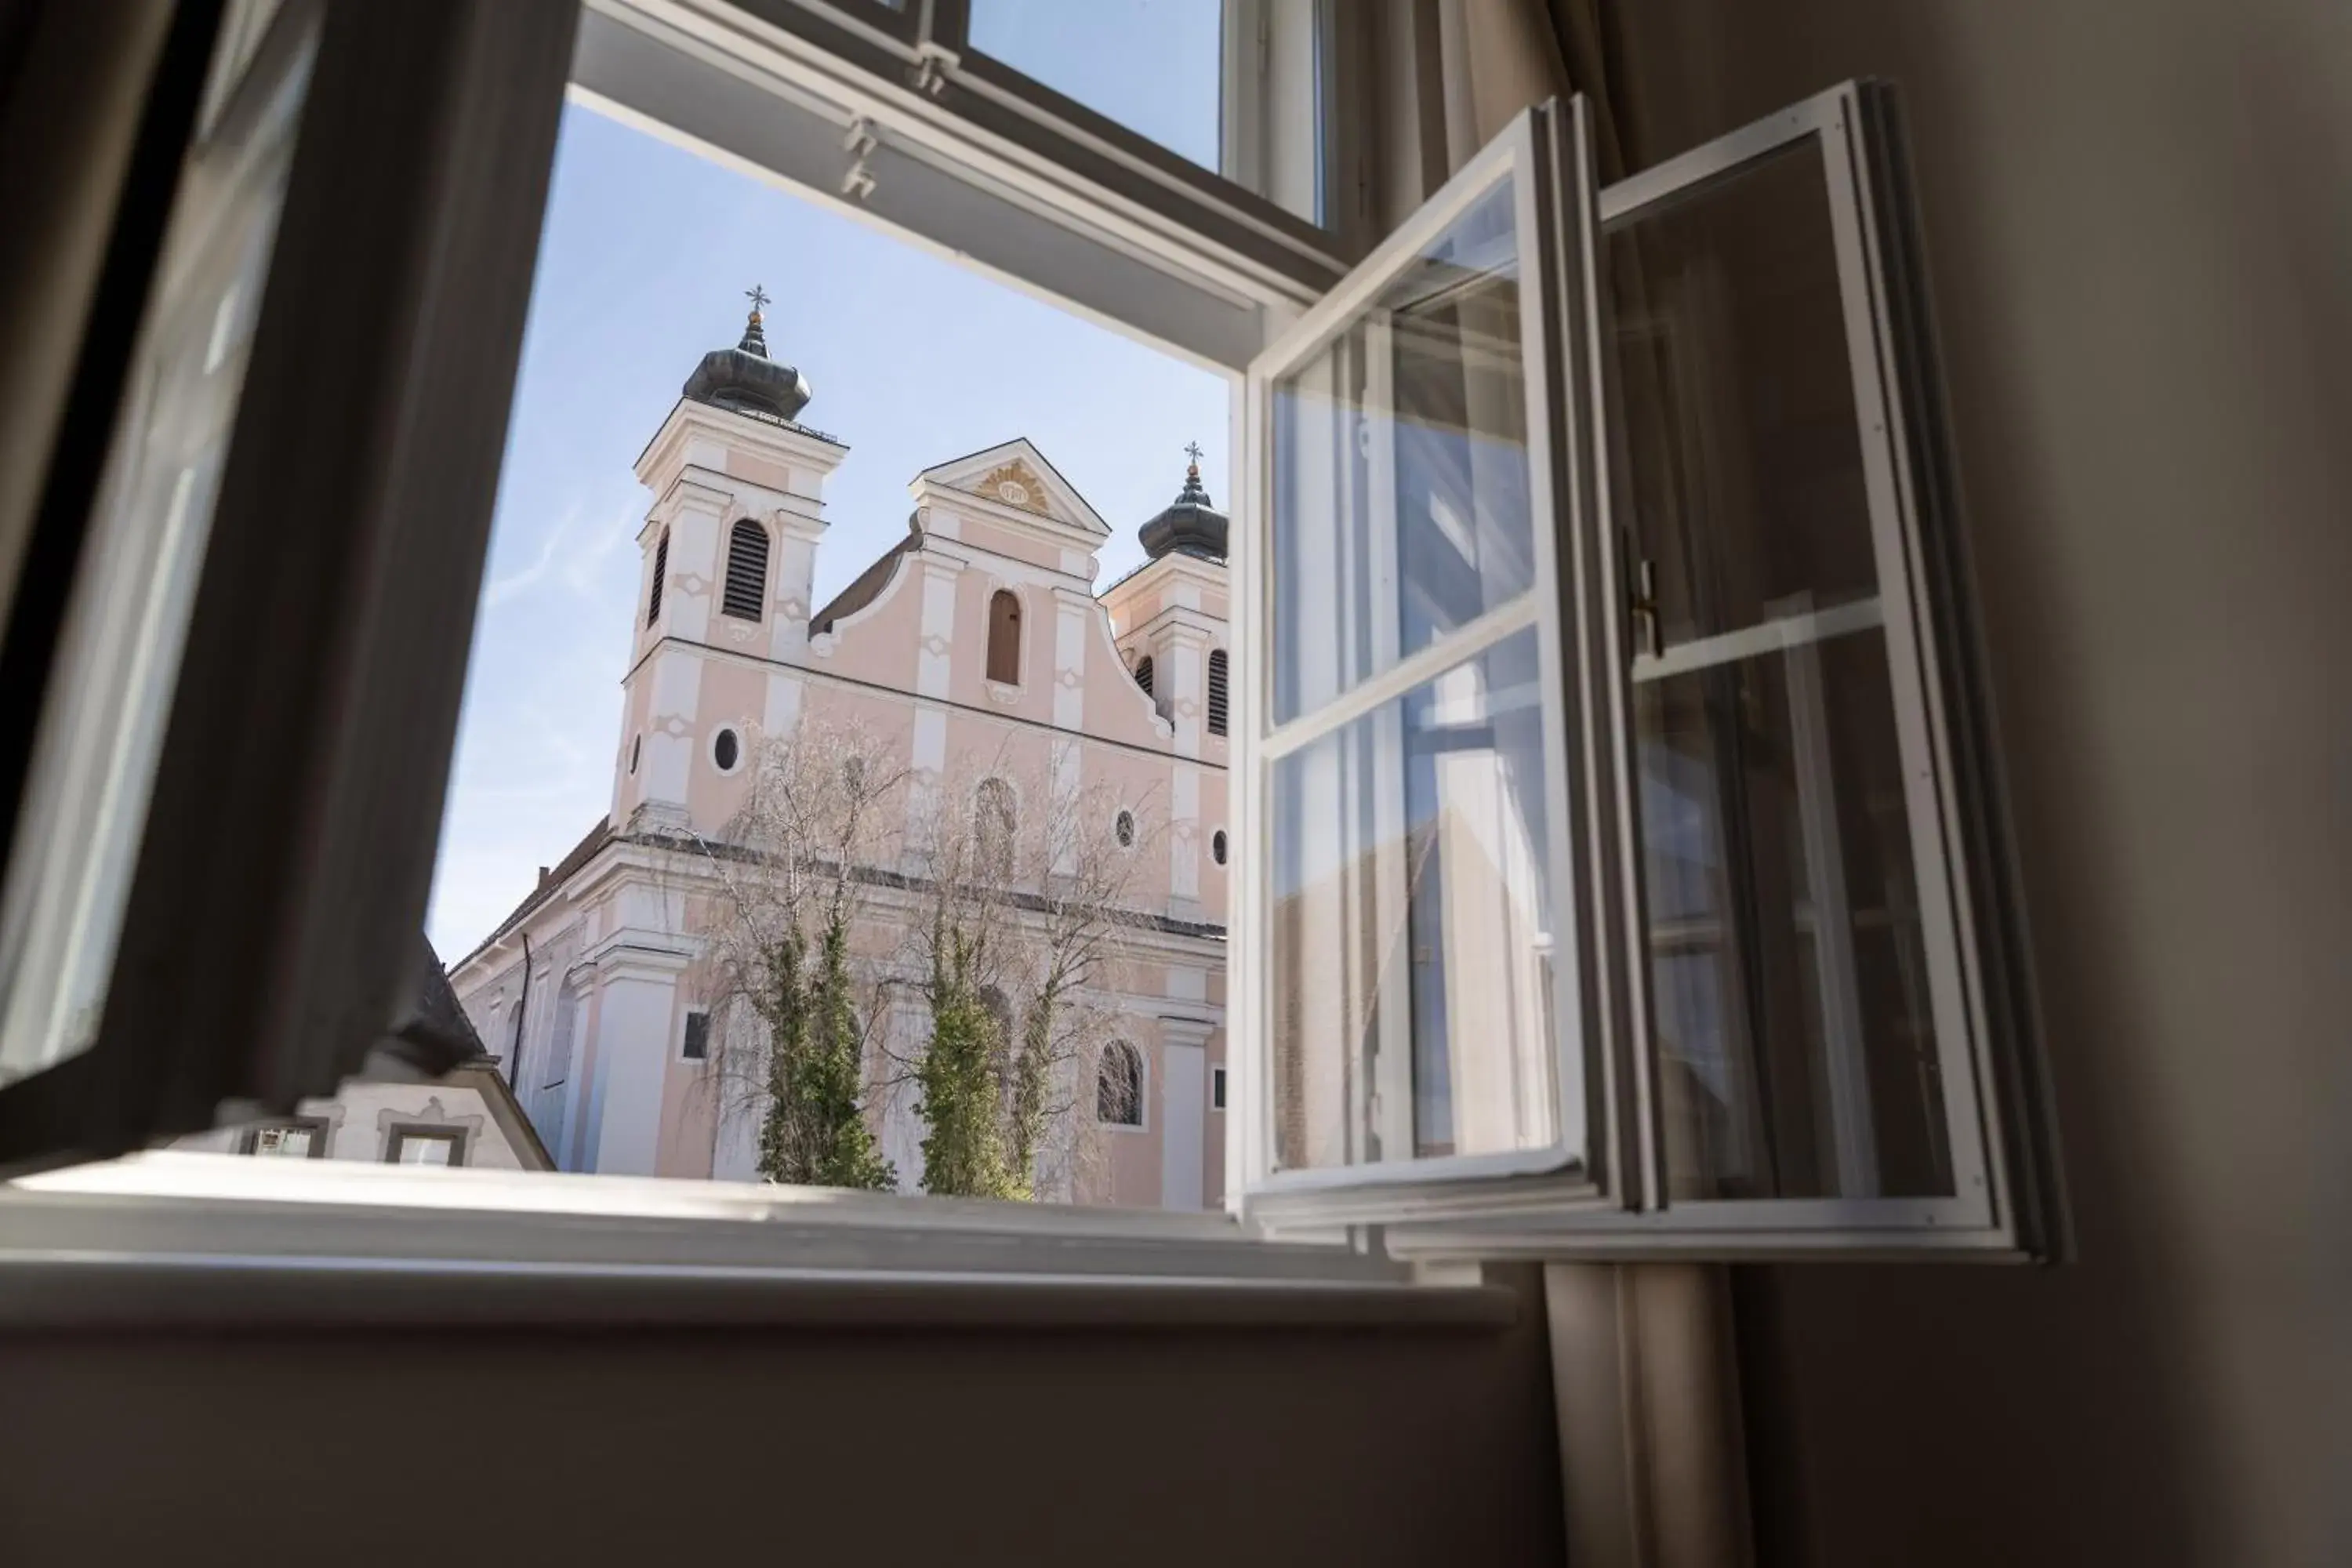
(661, 571)
(1004, 637)
(747, 570)
(1218, 696)
(1143, 674)
(1118, 1086)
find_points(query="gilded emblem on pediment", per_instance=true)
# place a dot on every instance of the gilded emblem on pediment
(1015, 485)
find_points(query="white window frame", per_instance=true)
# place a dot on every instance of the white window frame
(836, 100)
(405, 1133)
(1538, 157)
(173, 1238)
(1617, 1206)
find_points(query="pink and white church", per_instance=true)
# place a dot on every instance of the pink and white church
(981, 633)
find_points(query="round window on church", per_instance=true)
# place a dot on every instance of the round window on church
(1217, 847)
(1122, 827)
(726, 750)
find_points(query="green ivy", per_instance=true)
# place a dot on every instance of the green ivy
(814, 1134)
(960, 1076)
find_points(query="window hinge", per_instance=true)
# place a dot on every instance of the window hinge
(929, 74)
(857, 180)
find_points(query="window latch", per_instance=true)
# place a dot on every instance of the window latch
(1650, 626)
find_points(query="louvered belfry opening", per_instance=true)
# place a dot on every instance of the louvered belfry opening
(661, 571)
(1143, 674)
(747, 570)
(1217, 698)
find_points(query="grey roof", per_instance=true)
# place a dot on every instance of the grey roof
(745, 380)
(1189, 525)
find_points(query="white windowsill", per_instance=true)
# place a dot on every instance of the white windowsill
(177, 1239)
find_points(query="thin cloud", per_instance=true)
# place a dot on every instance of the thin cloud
(515, 584)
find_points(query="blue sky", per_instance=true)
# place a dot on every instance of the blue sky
(1151, 65)
(912, 359)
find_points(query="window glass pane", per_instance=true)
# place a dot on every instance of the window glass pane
(1401, 480)
(294, 1143)
(1156, 67)
(1790, 983)
(425, 1150)
(78, 832)
(1795, 1037)
(1412, 915)
(1739, 399)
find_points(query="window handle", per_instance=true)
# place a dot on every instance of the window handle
(1650, 626)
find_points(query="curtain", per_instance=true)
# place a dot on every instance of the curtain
(1517, 52)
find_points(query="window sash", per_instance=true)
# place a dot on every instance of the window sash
(1998, 1151)
(1246, 96)
(1834, 120)
(1544, 162)
(258, 977)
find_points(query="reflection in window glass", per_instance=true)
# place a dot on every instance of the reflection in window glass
(1412, 925)
(94, 761)
(1791, 1001)
(1788, 972)
(1156, 67)
(1746, 457)
(1401, 504)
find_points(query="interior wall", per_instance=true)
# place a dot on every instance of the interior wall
(1407, 1447)
(2139, 226)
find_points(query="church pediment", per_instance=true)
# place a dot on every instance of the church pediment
(1015, 475)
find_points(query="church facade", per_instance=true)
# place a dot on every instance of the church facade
(979, 641)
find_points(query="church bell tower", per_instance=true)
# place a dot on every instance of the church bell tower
(722, 609)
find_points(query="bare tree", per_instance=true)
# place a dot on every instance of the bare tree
(794, 873)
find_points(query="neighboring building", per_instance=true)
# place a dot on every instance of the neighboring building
(467, 1116)
(978, 636)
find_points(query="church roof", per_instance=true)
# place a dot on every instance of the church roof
(549, 884)
(743, 379)
(869, 586)
(1190, 525)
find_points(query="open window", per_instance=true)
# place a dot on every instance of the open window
(1617, 867)
(1631, 875)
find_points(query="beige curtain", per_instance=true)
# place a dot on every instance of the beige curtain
(1513, 53)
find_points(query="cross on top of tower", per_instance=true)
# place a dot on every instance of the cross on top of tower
(755, 341)
(1193, 450)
